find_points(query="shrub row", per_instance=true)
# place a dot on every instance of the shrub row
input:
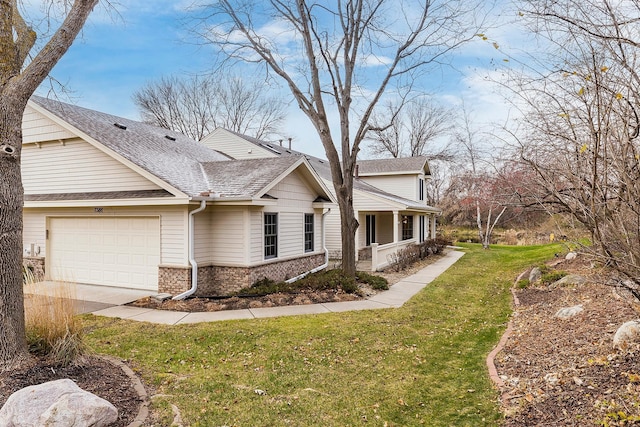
(411, 254)
(321, 281)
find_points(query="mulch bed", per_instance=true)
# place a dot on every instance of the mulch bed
(566, 372)
(93, 374)
(193, 305)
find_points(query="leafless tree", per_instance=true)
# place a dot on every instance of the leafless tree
(21, 71)
(339, 58)
(410, 130)
(196, 106)
(478, 180)
(581, 123)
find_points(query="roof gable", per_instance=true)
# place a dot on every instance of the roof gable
(169, 156)
(253, 178)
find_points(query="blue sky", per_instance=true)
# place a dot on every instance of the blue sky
(118, 53)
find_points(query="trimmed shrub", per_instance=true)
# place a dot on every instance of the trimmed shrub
(376, 282)
(321, 281)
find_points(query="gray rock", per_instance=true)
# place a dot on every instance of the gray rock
(535, 275)
(59, 403)
(568, 312)
(161, 297)
(571, 279)
(626, 334)
(570, 256)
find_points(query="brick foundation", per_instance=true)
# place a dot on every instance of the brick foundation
(220, 281)
(36, 265)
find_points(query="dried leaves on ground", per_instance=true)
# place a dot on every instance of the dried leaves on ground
(566, 372)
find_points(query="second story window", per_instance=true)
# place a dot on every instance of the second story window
(420, 189)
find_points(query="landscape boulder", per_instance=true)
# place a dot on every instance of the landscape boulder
(626, 334)
(59, 403)
(535, 274)
(568, 312)
(571, 255)
(571, 279)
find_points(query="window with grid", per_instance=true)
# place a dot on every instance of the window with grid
(407, 227)
(270, 235)
(308, 232)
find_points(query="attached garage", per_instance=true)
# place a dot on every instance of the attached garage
(110, 251)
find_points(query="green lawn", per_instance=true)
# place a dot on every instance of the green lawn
(422, 364)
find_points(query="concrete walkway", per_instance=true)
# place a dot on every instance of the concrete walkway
(396, 296)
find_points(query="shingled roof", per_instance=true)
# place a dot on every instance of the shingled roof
(393, 166)
(183, 163)
(322, 168)
(246, 178)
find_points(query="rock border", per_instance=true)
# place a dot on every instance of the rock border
(493, 371)
(143, 409)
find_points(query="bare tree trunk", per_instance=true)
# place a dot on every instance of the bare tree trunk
(13, 346)
(349, 226)
(18, 81)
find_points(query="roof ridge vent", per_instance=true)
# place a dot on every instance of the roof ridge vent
(119, 126)
(170, 138)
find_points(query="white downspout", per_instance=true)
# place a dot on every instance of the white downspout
(326, 254)
(192, 250)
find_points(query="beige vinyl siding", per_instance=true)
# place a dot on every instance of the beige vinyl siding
(257, 250)
(234, 146)
(333, 234)
(400, 185)
(290, 234)
(384, 233)
(293, 193)
(38, 128)
(173, 227)
(362, 202)
(76, 167)
(227, 236)
(203, 242)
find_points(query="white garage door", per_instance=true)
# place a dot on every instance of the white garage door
(111, 251)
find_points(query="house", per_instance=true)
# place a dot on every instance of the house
(388, 196)
(111, 201)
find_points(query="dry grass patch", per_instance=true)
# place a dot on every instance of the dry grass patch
(52, 329)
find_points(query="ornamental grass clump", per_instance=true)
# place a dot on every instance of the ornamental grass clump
(52, 329)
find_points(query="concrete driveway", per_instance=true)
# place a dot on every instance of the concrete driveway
(87, 298)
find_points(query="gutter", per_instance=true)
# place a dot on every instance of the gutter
(192, 250)
(326, 254)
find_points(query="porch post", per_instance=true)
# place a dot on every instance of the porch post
(396, 225)
(357, 237)
(416, 228)
(374, 257)
(433, 226)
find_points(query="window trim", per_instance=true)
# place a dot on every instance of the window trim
(309, 235)
(267, 244)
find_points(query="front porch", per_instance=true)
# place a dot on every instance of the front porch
(383, 233)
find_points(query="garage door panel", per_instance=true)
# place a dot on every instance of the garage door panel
(113, 251)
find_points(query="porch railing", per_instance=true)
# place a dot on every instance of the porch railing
(380, 253)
